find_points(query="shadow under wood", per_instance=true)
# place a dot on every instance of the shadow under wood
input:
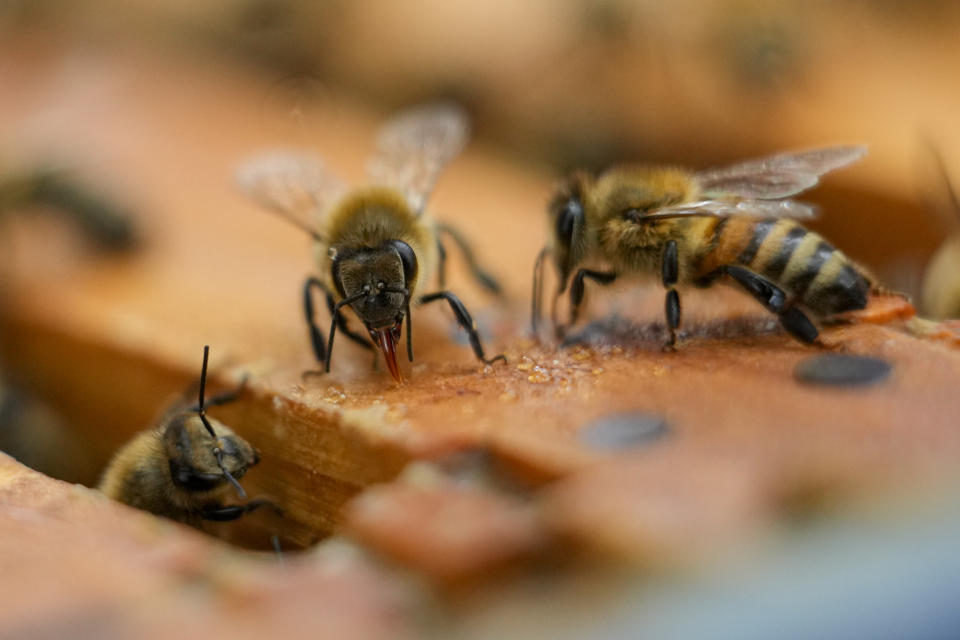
(617, 330)
(312, 461)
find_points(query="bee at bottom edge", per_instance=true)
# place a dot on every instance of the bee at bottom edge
(687, 227)
(185, 467)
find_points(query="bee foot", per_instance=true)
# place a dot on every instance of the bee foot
(836, 347)
(310, 373)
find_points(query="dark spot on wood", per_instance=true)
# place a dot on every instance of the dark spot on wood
(624, 430)
(842, 370)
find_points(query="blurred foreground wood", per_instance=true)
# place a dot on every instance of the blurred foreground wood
(469, 468)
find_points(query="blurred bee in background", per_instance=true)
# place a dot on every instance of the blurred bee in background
(940, 296)
(36, 435)
(376, 248)
(184, 468)
(693, 228)
(109, 224)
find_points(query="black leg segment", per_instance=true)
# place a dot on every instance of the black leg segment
(317, 339)
(344, 328)
(465, 320)
(798, 325)
(224, 397)
(337, 320)
(670, 266)
(227, 397)
(793, 320)
(768, 294)
(235, 511)
(670, 273)
(442, 264)
(672, 309)
(578, 289)
(485, 280)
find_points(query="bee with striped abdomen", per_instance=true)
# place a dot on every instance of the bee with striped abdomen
(185, 467)
(376, 247)
(695, 227)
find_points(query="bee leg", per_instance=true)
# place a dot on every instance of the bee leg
(798, 325)
(793, 320)
(465, 320)
(347, 331)
(352, 335)
(577, 289)
(225, 397)
(316, 336)
(236, 511)
(485, 280)
(441, 264)
(337, 320)
(670, 272)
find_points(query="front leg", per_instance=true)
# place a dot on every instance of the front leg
(224, 397)
(316, 335)
(317, 340)
(465, 320)
(235, 511)
(578, 289)
(670, 272)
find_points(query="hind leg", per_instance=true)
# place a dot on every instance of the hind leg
(670, 273)
(793, 320)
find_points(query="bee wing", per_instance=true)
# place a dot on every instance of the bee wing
(727, 208)
(414, 146)
(778, 176)
(293, 183)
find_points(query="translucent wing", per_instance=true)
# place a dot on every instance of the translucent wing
(292, 183)
(723, 209)
(415, 146)
(777, 176)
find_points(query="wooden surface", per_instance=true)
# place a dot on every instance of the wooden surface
(106, 340)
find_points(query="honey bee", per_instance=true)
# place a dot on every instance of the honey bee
(376, 248)
(97, 214)
(694, 227)
(184, 468)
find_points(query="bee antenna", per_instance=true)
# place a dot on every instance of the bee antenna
(203, 378)
(217, 452)
(229, 476)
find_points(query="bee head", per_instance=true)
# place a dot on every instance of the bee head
(567, 222)
(190, 451)
(376, 283)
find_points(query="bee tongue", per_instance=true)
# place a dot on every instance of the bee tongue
(387, 340)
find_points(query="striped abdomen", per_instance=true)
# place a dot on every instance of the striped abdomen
(801, 262)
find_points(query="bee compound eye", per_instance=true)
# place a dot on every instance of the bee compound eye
(570, 215)
(407, 258)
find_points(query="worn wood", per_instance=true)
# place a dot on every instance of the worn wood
(108, 340)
